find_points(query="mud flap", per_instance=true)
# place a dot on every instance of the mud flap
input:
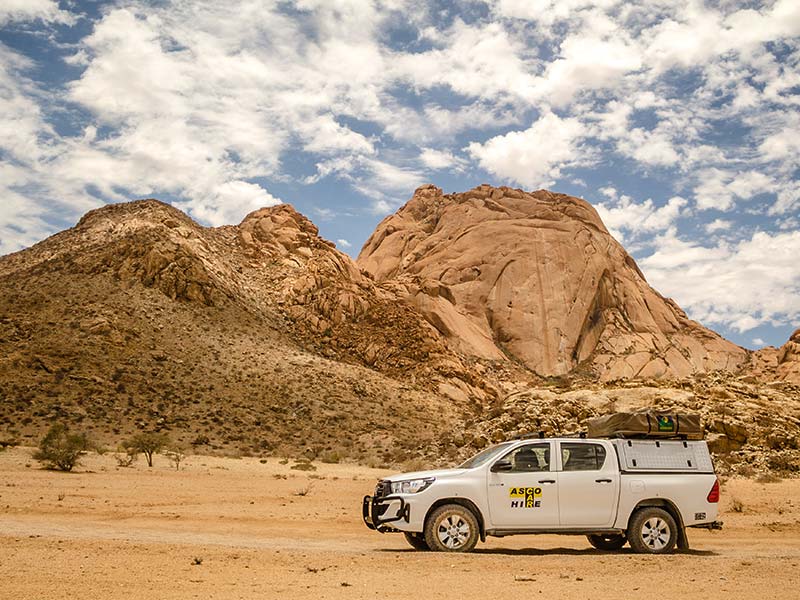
(683, 539)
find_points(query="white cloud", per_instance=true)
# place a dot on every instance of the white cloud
(546, 12)
(343, 243)
(718, 225)
(30, 10)
(759, 342)
(533, 157)
(481, 61)
(628, 219)
(441, 159)
(719, 189)
(230, 202)
(742, 285)
(588, 62)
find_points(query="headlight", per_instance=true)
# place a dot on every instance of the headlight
(412, 486)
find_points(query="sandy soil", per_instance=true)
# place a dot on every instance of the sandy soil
(262, 530)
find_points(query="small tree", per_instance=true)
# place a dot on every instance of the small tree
(60, 449)
(148, 444)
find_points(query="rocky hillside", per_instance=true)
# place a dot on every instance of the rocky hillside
(236, 338)
(467, 318)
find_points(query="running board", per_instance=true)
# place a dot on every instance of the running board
(562, 531)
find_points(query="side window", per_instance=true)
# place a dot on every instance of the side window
(582, 457)
(529, 458)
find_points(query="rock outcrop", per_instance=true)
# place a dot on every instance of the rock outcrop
(536, 277)
(788, 368)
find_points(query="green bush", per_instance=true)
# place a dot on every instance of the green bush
(60, 449)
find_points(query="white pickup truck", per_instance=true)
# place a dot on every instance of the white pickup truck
(643, 492)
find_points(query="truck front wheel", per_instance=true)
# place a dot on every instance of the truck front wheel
(613, 541)
(451, 528)
(652, 531)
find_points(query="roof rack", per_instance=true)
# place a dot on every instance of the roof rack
(541, 435)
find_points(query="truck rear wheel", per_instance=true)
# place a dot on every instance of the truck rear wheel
(613, 541)
(417, 540)
(652, 531)
(451, 528)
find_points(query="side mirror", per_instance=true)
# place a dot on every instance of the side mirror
(502, 466)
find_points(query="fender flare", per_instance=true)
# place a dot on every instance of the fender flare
(466, 503)
(669, 506)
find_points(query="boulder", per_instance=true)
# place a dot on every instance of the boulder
(536, 277)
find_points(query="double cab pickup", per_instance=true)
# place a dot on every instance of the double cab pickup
(614, 491)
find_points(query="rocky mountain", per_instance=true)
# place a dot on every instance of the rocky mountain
(466, 319)
(536, 277)
(237, 337)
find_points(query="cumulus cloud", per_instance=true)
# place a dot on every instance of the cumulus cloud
(719, 189)
(628, 219)
(741, 286)
(30, 10)
(533, 157)
(441, 159)
(229, 202)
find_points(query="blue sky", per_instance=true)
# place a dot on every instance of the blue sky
(677, 120)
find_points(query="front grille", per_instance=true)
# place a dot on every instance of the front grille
(382, 489)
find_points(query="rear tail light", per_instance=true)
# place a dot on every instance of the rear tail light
(713, 495)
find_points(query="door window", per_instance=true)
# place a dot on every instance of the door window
(530, 458)
(582, 457)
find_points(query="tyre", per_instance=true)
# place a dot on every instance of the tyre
(417, 540)
(451, 528)
(652, 531)
(607, 541)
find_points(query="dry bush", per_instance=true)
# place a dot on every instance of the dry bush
(332, 457)
(60, 449)
(303, 465)
(176, 454)
(737, 505)
(768, 478)
(304, 491)
(125, 459)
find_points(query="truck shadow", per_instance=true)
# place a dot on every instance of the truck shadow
(577, 552)
(558, 552)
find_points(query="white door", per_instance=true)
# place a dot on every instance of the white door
(588, 484)
(526, 495)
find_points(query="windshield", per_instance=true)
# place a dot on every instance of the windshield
(485, 456)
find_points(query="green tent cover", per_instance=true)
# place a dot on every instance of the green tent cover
(647, 424)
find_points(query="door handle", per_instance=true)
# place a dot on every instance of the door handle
(547, 481)
(603, 480)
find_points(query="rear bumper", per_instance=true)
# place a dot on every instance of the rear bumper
(378, 513)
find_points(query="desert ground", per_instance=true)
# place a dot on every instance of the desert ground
(245, 528)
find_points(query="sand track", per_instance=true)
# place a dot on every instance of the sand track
(135, 533)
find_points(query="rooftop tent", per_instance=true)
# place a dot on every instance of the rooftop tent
(646, 424)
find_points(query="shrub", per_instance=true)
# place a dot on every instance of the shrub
(768, 478)
(176, 454)
(737, 505)
(147, 443)
(332, 457)
(60, 449)
(125, 459)
(303, 466)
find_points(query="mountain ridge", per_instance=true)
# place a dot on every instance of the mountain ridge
(263, 338)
